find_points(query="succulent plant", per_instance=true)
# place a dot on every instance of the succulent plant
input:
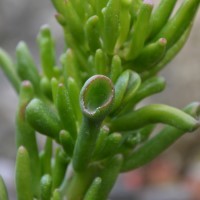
(87, 102)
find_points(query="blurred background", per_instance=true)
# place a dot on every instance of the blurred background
(175, 175)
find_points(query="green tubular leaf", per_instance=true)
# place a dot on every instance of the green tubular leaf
(56, 195)
(170, 54)
(158, 143)
(116, 68)
(25, 134)
(89, 11)
(3, 190)
(100, 62)
(74, 90)
(136, 4)
(45, 157)
(103, 134)
(140, 30)
(109, 175)
(110, 146)
(43, 119)
(73, 21)
(193, 109)
(23, 175)
(47, 51)
(175, 27)
(9, 69)
(120, 89)
(59, 5)
(65, 110)
(92, 33)
(100, 4)
(54, 88)
(124, 22)
(150, 55)
(160, 16)
(132, 139)
(92, 3)
(135, 7)
(132, 87)
(45, 187)
(78, 50)
(125, 88)
(57, 72)
(26, 67)
(67, 142)
(96, 100)
(45, 86)
(80, 7)
(111, 14)
(94, 189)
(59, 168)
(149, 87)
(70, 68)
(155, 113)
(145, 132)
(60, 19)
(90, 61)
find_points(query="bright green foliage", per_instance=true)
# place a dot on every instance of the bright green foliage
(3, 190)
(87, 102)
(23, 175)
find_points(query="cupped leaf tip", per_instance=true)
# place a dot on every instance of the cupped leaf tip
(96, 97)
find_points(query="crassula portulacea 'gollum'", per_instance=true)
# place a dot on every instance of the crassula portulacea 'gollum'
(86, 102)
